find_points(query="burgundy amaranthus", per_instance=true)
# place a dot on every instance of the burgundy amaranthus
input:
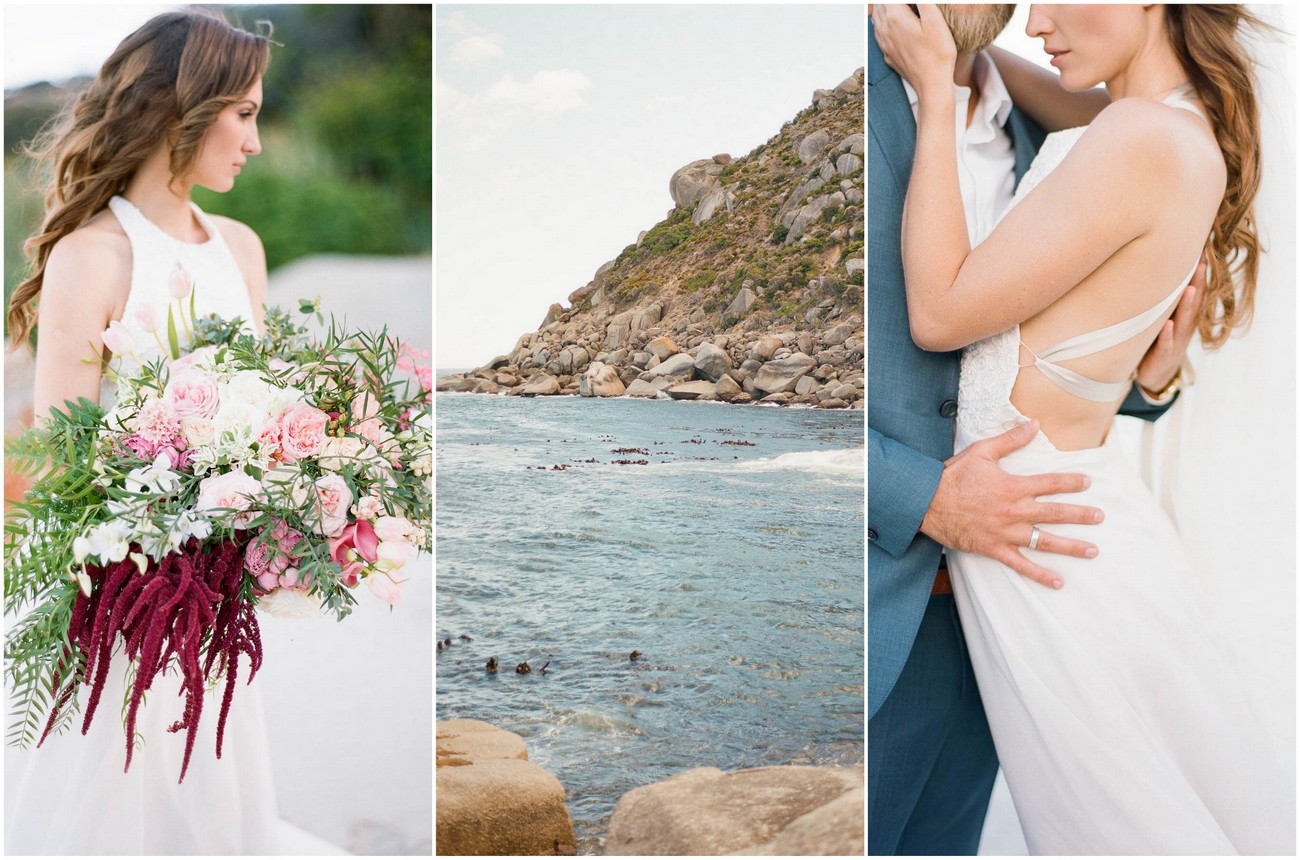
(166, 611)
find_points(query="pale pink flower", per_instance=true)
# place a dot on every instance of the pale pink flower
(117, 337)
(197, 431)
(179, 284)
(192, 393)
(302, 432)
(339, 452)
(393, 528)
(234, 490)
(156, 423)
(394, 554)
(385, 587)
(146, 316)
(185, 362)
(333, 498)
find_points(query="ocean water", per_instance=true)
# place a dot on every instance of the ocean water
(732, 560)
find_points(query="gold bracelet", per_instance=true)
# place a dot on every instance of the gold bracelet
(1169, 389)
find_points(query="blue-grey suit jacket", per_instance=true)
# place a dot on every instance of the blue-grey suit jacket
(912, 394)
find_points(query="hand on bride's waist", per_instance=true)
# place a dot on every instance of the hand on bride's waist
(980, 508)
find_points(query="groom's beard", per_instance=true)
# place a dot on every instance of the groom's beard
(975, 27)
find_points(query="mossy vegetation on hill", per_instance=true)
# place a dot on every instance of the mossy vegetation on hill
(688, 266)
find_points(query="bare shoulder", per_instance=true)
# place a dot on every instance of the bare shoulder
(92, 263)
(1153, 136)
(242, 240)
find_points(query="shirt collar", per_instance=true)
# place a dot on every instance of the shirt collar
(995, 101)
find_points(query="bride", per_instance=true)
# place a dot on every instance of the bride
(1119, 718)
(175, 106)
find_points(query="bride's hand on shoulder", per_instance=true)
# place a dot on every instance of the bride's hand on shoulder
(921, 49)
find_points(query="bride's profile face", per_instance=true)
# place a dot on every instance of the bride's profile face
(229, 143)
(1089, 43)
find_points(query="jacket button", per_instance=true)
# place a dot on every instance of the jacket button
(948, 409)
(871, 534)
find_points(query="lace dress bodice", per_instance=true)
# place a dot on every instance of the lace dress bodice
(989, 366)
(219, 286)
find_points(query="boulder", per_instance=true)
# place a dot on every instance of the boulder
(697, 390)
(662, 347)
(710, 204)
(780, 398)
(679, 368)
(847, 164)
(832, 403)
(642, 388)
(740, 305)
(491, 799)
(690, 183)
(837, 334)
(781, 374)
(542, 383)
(818, 810)
(711, 362)
(846, 392)
(849, 86)
(455, 383)
(727, 389)
(853, 266)
(600, 380)
(552, 314)
(810, 148)
(805, 385)
(764, 348)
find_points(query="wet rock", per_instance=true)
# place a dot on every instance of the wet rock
(542, 384)
(600, 380)
(697, 390)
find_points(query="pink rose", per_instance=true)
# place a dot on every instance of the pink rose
(139, 447)
(302, 431)
(185, 362)
(333, 498)
(192, 394)
(157, 424)
(385, 587)
(234, 490)
(353, 549)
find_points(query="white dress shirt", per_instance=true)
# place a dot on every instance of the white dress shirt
(986, 157)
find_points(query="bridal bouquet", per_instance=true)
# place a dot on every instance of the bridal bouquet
(279, 473)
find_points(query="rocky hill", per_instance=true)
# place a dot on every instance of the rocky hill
(751, 289)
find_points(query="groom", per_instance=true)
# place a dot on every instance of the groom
(931, 761)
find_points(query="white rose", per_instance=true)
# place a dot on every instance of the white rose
(198, 431)
(339, 452)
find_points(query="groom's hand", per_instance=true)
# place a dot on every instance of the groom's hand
(981, 509)
(1170, 347)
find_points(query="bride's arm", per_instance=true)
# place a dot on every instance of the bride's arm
(1039, 93)
(84, 281)
(1104, 195)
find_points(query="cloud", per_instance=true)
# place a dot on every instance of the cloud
(477, 49)
(547, 91)
(471, 43)
(449, 99)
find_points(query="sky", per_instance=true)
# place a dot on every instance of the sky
(82, 37)
(558, 128)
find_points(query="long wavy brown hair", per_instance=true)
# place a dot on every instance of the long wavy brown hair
(166, 81)
(1207, 40)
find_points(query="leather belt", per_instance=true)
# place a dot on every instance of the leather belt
(942, 582)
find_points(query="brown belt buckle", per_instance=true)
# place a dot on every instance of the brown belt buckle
(942, 582)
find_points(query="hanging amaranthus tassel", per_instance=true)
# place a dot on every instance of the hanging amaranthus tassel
(165, 612)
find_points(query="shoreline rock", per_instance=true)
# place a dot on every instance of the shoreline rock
(491, 799)
(784, 810)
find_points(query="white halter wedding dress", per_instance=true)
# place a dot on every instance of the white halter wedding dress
(71, 796)
(1120, 722)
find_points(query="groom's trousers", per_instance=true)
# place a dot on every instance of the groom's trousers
(930, 757)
